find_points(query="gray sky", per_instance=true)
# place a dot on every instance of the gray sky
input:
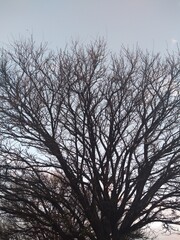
(152, 24)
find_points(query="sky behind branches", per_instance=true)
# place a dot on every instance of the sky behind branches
(152, 24)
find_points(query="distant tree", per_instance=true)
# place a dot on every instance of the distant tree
(90, 143)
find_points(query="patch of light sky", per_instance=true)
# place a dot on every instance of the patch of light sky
(152, 24)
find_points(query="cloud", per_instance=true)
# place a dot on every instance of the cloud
(174, 41)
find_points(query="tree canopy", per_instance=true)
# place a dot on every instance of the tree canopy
(90, 141)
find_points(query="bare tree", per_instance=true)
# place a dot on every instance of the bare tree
(89, 142)
(37, 203)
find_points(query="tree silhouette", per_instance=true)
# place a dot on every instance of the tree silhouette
(90, 141)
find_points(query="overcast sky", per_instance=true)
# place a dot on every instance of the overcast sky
(152, 24)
